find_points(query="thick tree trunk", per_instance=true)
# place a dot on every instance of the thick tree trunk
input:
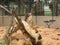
(23, 5)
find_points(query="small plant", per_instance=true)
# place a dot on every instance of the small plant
(3, 42)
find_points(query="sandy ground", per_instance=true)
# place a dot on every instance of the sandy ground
(49, 36)
(2, 32)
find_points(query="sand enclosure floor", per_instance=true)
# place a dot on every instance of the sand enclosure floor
(49, 36)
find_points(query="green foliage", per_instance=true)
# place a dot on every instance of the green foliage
(3, 42)
(48, 13)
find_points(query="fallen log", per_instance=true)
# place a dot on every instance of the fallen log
(26, 29)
